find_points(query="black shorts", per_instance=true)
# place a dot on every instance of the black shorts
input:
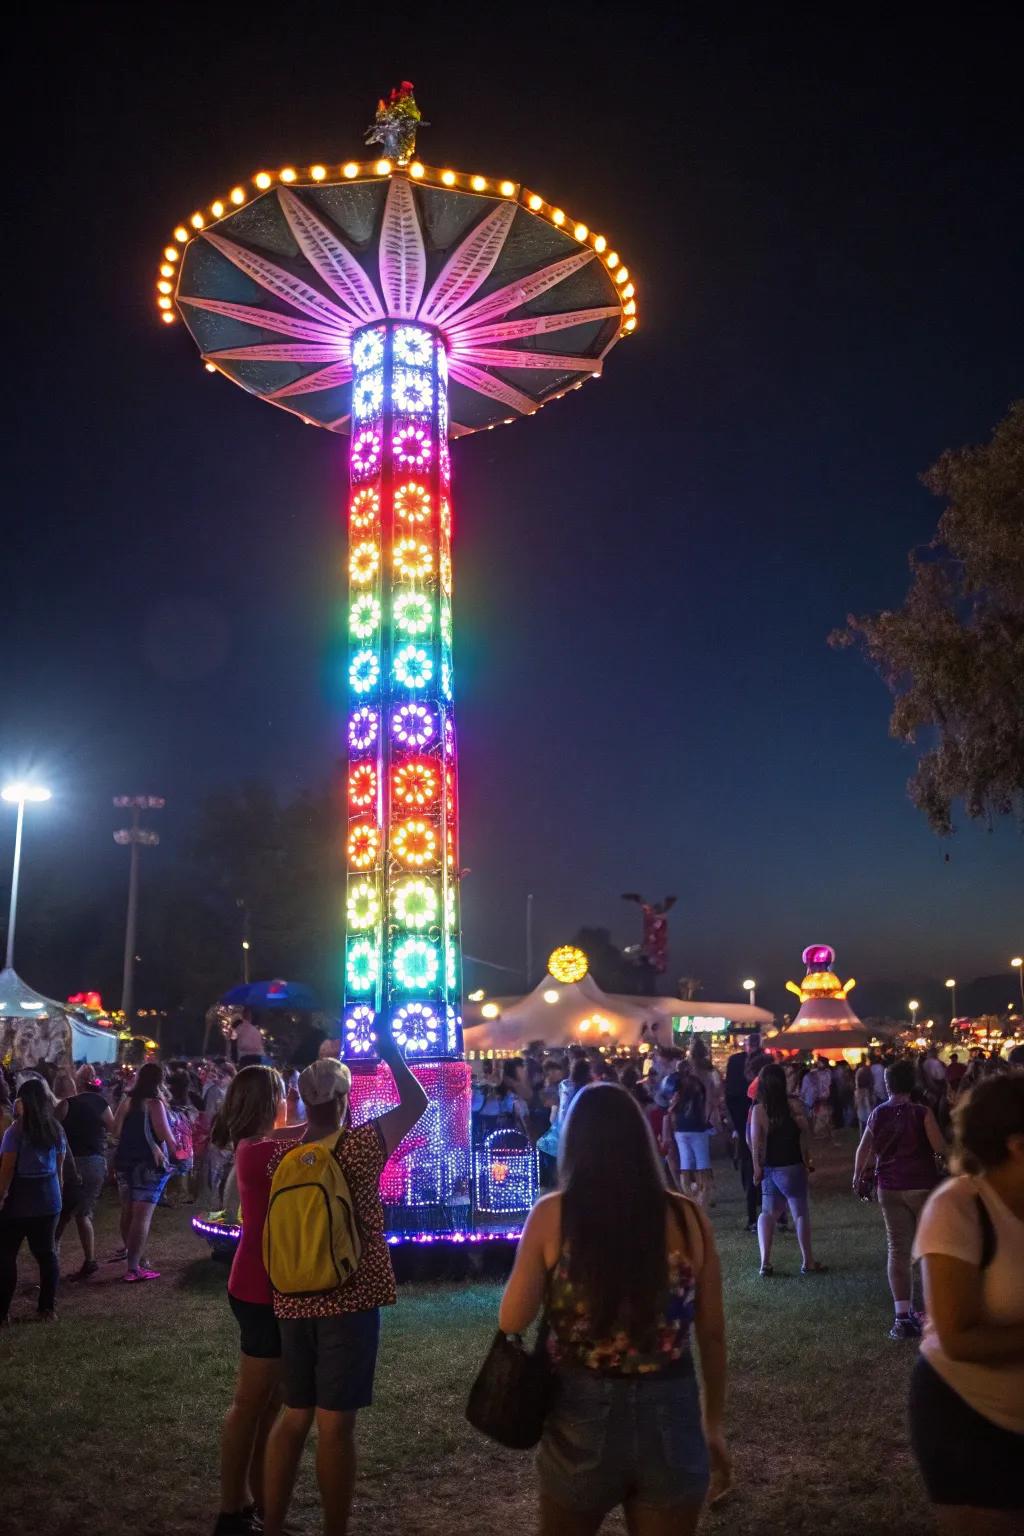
(964, 1457)
(261, 1336)
(329, 1361)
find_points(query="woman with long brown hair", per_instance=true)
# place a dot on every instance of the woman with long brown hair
(143, 1162)
(779, 1147)
(248, 1125)
(622, 1268)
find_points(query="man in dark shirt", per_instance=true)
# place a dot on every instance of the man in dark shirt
(87, 1119)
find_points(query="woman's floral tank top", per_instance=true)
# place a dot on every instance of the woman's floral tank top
(571, 1342)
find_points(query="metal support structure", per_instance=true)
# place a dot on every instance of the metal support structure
(135, 836)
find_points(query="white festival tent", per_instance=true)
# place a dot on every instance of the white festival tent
(559, 1013)
(35, 1028)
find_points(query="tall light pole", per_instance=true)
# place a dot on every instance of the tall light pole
(19, 795)
(134, 837)
(913, 1005)
(951, 984)
(1018, 964)
(751, 986)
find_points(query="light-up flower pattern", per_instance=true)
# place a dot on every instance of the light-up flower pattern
(412, 446)
(412, 503)
(413, 667)
(365, 509)
(413, 725)
(363, 563)
(412, 346)
(415, 843)
(413, 391)
(360, 1034)
(364, 457)
(363, 617)
(414, 782)
(416, 1027)
(362, 965)
(363, 727)
(364, 671)
(362, 785)
(368, 395)
(362, 905)
(368, 350)
(414, 903)
(363, 844)
(413, 613)
(413, 559)
(416, 964)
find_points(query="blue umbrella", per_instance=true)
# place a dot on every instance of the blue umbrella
(273, 994)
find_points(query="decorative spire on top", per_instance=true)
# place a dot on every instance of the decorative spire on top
(396, 123)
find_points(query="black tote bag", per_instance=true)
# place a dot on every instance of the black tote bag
(509, 1400)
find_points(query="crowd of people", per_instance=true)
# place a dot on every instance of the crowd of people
(636, 1418)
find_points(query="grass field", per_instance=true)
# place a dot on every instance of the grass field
(110, 1418)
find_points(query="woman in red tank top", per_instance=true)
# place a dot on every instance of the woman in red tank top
(247, 1122)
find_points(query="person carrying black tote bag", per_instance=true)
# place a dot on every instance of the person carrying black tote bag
(624, 1274)
(509, 1399)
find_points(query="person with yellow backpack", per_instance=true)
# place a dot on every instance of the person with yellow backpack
(330, 1273)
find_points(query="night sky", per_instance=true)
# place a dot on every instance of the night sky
(823, 219)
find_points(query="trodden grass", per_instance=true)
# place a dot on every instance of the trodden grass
(110, 1418)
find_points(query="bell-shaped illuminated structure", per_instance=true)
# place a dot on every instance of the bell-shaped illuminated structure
(402, 305)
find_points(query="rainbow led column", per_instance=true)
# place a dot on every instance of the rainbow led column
(402, 956)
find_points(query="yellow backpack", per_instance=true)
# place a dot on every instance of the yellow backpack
(311, 1241)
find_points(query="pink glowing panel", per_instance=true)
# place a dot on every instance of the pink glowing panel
(325, 252)
(285, 285)
(270, 320)
(520, 292)
(541, 325)
(287, 352)
(324, 378)
(435, 1156)
(403, 261)
(469, 265)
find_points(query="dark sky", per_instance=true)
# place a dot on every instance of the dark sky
(823, 218)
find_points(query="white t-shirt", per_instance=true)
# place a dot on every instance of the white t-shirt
(950, 1225)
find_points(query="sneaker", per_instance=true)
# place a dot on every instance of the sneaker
(89, 1268)
(133, 1275)
(243, 1522)
(904, 1328)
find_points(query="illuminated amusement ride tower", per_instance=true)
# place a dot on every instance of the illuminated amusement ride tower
(402, 306)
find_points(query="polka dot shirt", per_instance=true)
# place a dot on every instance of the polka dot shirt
(362, 1155)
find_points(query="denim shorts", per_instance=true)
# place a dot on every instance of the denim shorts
(92, 1171)
(612, 1438)
(329, 1362)
(142, 1183)
(779, 1185)
(694, 1151)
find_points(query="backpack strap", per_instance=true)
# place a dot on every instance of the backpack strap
(988, 1233)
